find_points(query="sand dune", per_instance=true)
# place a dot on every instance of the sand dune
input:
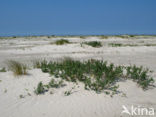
(81, 103)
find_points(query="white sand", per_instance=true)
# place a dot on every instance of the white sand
(81, 103)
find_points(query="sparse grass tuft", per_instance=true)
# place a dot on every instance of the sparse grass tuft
(37, 64)
(61, 42)
(93, 43)
(3, 69)
(17, 68)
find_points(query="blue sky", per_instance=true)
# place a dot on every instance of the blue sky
(74, 17)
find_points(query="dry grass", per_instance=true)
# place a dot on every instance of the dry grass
(17, 68)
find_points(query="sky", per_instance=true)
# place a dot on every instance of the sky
(77, 17)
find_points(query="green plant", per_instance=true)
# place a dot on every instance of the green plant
(40, 89)
(150, 45)
(29, 94)
(21, 96)
(44, 66)
(14, 37)
(123, 45)
(54, 84)
(17, 68)
(104, 37)
(82, 37)
(122, 36)
(97, 75)
(61, 42)
(93, 43)
(115, 44)
(3, 69)
(67, 93)
(5, 91)
(132, 35)
(140, 75)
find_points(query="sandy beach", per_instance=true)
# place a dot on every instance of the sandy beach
(139, 50)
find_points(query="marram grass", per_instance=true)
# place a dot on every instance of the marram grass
(17, 68)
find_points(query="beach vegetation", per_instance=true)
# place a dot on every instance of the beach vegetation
(61, 42)
(17, 68)
(67, 93)
(3, 69)
(97, 75)
(40, 89)
(93, 43)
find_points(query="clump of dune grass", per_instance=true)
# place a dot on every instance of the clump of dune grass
(36, 64)
(97, 75)
(3, 69)
(93, 43)
(61, 42)
(17, 68)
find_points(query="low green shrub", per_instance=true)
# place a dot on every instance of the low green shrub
(123, 45)
(54, 84)
(83, 37)
(115, 44)
(93, 43)
(140, 75)
(104, 37)
(40, 89)
(67, 93)
(44, 66)
(3, 69)
(97, 75)
(61, 42)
